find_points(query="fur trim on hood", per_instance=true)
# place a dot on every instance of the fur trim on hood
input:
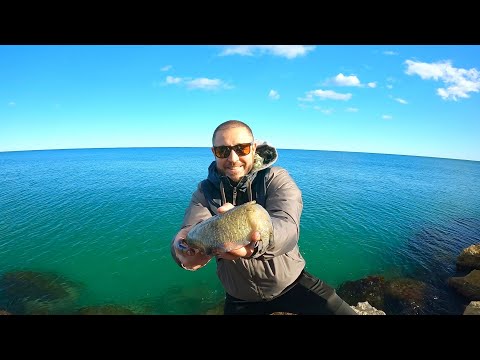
(265, 156)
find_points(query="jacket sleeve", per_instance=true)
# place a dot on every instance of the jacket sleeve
(196, 211)
(284, 204)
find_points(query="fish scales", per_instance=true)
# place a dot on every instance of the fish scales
(231, 230)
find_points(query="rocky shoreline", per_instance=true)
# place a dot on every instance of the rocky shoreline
(26, 292)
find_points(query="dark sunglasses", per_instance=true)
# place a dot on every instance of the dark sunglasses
(223, 151)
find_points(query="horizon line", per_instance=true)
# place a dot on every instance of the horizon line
(206, 147)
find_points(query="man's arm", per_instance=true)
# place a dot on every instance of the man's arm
(284, 204)
(188, 258)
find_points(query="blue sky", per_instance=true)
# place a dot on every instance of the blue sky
(419, 100)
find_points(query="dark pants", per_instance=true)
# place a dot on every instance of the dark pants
(308, 296)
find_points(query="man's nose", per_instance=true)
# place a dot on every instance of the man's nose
(233, 157)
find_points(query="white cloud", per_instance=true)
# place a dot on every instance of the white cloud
(308, 97)
(342, 80)
(273, 94)
(288, 51)
(12, 104)
(325, 94)
(351, 109)
(387, 117)
(198, 83)
(206, 84)
(325, 111)
(401, 101)
(243, 50)
(389, 52)
(352, 80)
(389, 86)
(166, 68)
(173, 80)
(459, 81)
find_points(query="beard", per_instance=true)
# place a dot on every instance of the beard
(235, 172)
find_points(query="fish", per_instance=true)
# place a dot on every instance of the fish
(231, 230)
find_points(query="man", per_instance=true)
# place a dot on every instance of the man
(258, 278)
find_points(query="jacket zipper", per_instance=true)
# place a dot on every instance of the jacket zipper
(234, 196)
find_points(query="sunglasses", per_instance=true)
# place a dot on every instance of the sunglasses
(223, 151)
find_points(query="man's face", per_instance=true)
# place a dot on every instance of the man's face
(235, 166)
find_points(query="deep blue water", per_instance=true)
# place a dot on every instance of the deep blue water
(104, 218)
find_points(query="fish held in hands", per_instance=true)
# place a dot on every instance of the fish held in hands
(231, 230)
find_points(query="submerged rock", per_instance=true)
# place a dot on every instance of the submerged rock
(37, 293)
(406, 295)
(370, 289)
(109, 309)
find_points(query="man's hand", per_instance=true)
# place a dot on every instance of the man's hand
(225, 207)
(245, 251)
(191, 258)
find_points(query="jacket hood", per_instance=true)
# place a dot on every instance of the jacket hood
(265, 156)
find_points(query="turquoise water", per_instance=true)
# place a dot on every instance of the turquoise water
(104, 218)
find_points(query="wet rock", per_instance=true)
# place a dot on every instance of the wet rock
(370, 289)
(406, 295)
(469, 258)
(282, 313)
(468, 286)
(473, 308)
(364, 308)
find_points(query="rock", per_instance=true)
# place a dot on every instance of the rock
(282, 313)
(468, 286)
(469, 258)
(370, 289)
(473, 308)
(26, 292)
(406, 295)
(364, 308)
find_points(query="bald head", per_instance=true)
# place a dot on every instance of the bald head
(231, 124)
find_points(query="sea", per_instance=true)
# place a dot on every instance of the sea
(89, 229)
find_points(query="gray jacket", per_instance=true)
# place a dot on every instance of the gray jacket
(274, 266)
